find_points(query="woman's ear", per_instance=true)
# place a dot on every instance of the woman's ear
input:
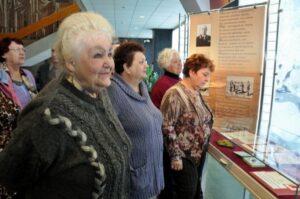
(70, 66)
(126, 68)
(4, 56)
(192, 73)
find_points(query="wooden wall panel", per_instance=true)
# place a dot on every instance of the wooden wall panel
(17, 14)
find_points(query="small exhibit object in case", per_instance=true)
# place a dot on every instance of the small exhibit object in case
(225, 143)
(242, 154)
(276, 181)
(253, 162)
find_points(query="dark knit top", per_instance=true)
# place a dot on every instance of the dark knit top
(162, 85)
(60, 153)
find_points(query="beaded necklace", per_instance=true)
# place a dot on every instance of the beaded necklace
(76, 84)
(29, 85)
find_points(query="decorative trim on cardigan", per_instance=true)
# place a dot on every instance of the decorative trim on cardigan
(89, 150)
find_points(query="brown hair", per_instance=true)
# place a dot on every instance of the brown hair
(4, 44)
(196, 62)
(124, 55)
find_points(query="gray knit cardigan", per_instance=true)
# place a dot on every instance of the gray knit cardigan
(67, 145)
(142, 122)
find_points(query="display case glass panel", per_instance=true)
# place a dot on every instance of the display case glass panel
(255, 90)
(283, 149)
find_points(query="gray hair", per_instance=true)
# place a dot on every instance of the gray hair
(72, 32)
(165, 56)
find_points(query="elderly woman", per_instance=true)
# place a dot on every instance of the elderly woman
(14, 93)
(187, 125)
(21, 81)
(140, 118)
(169, 60)
(69, 143)
(9, 111)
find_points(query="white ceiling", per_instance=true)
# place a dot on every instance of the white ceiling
(137, 18)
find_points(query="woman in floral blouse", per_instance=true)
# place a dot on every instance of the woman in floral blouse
(16, 87)
(187, 126)
(9, 111)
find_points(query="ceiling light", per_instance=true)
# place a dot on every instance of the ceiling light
(142, 17)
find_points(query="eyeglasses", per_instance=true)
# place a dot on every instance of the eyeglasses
(18, 50)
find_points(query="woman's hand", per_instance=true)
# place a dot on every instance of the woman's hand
(176, 165)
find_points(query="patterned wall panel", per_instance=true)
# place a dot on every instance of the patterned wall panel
(16, 14)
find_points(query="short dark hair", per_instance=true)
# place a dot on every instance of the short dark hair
(124, 54)
(4, 44)
(196, 62)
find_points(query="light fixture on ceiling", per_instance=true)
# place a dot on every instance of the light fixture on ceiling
(142, 17)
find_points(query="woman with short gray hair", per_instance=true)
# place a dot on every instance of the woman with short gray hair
(69, 143)
(168, 60)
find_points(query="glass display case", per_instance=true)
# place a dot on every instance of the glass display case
(278, 166)
(228, 186)
(283, 137)
(255, 90)
(272, 137)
